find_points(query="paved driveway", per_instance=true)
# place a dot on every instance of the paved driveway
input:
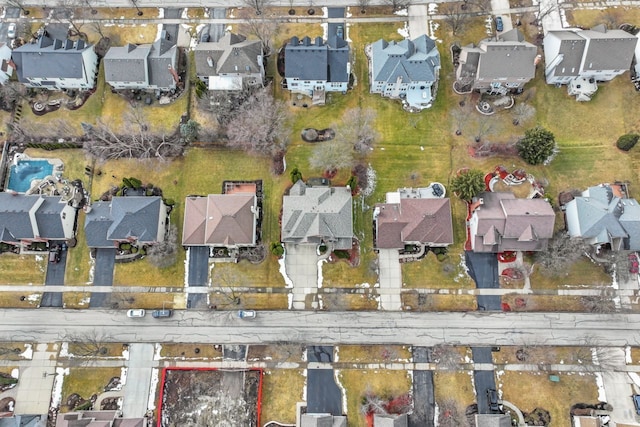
(423, 397)
(214, 32)
(198, 275)
(483, 380)
(418, 21)
(55, 276)
(335, 12)
(136, 390)
(618, 388)
(323, 394)
(301, 262)
(103, 275)
(390, 277)
(483, 269)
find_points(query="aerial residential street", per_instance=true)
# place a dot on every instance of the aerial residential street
(426, 329)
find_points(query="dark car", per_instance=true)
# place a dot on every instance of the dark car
(499, 24)
(54, 254)
(636, 402)
(492, 400)
(162, 313)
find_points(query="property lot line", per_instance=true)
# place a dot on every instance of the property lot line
(596, 291)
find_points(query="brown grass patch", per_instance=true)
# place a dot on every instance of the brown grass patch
(191, 351)
(281, 390)
(86, 382)
(374, 353)
(22, 269)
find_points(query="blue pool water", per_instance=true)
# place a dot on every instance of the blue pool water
(26, 171)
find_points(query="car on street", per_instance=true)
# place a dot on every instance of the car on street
(165, 312)
(247, 314)
(492, 400)
(499, 24)
(136, 312)
(11, 31)
(636, 402)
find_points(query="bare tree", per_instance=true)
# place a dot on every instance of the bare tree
(331, 156)
(449, 415)
(357, 129)
(397, 4)
(363, 4)
(91, 343)
(20, 4)
(225, 282)
(484, 6)
(260, 126)
(454, 17)
(12, 92)
(600, 303)
(258, 5)
(261, 28)
(164, 254)
(561, 252)
(484, 125)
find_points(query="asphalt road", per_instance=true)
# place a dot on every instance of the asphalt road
(328, 328)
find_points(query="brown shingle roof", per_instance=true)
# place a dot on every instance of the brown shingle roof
(425, 221)
(220, 219)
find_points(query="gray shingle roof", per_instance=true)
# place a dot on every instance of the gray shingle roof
(16, 212)
(163, 54)
(318, 60)
(121, 219)
(610, 50)
(409, 60)
(48, 58)
(319, 213)
(231, 54)
(126, 63)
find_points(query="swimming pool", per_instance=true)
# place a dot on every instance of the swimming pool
(26, 171)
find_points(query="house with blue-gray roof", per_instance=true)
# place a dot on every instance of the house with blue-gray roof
(138, 220)
(406, 70)
(314, 68)
(603, 215)
(143, 67)
(56, 64)
(318, 214)
(27, 219)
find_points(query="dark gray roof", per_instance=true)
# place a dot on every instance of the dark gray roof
(610, 50)
(317, 61)
(630, 221)
(126, 63)
(121, 219)
(163, 55)
(231, 54)
(15, 217)
(24, 421)
(409, 60)
(48, 58)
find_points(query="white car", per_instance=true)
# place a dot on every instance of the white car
(136, 312)
(11, 31)
(247, 314)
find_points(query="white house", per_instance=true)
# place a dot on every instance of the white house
(407, 70)
(589, 56)
(145, 67)
(231, 63)
(6, 65)
(56, 64)
(315, 68)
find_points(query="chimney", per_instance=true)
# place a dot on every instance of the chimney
(174, 74)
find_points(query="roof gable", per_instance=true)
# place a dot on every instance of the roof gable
(408, 61)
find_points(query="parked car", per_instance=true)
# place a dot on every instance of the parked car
(11, 31)
(492, 399)
(247, 314)
(340, 31)
(136, 312)
(165, 312)
(54, 254)
(636, 402)
(499, 24)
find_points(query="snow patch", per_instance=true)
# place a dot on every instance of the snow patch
(123, 377)
(602, 396)
(125, 353)
(464, 269)
(92, 270)
(186, 269)
(283, 271)
(304, 386)
(15, 373)
(152, 390)
(28, 352)
(336, 354)
(156, 355)
(402, 12)
(57, 386)
(371, 181)
(404, 31)
(320, 277)
(432, 8)
(64, 350)
(627, 355)
(185, 13)
(343, 392)
(33, 298)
